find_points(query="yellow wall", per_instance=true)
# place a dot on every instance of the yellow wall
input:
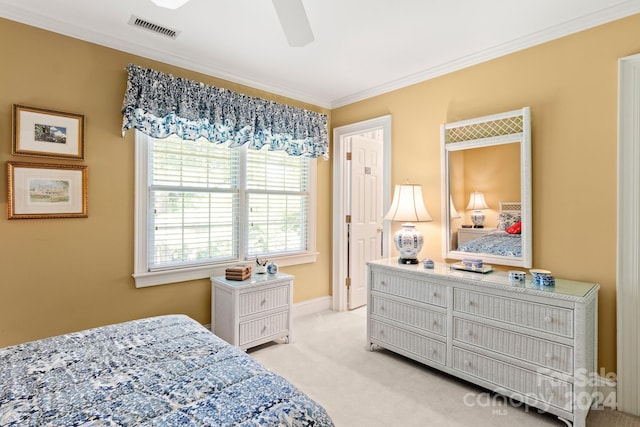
(61, 275)
(67, 274)
(571, 86)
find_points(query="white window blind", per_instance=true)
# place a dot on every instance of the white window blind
(194, 202)
(277, 198)
(201, 205)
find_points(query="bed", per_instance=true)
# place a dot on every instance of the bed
(159, 371)
(506, 240)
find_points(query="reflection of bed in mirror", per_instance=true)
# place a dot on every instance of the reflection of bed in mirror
(505, 240)
(490, 154)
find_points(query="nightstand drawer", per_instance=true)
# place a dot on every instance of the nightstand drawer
(530, 349)
(256, 329)
(546, 318)
(524, 383)
(409, 314)
(264, 300)
(418, 290)
(418, 345)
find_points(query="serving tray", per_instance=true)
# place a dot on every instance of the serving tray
(461, 266)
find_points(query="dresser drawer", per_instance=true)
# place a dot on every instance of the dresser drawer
(410, 342)
(264, 300)
(541, 352)
(409, 314)
(256, 329)
(526, 385)
(546, 318)
(415, 289)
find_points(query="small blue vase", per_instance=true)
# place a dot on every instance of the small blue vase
(272, 268)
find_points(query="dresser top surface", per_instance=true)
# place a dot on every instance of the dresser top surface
(494, 279)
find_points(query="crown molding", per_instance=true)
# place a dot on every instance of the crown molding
(601, 17)
(114, 42)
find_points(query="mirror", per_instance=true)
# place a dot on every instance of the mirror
(486, 189)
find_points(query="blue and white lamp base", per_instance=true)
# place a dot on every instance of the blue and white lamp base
(477, 217)
(408, 242)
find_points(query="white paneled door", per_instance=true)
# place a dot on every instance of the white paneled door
(365, 204)
(358, 168)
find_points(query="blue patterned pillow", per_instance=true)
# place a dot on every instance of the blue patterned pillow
(507, 219)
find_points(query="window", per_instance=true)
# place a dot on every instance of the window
(202, 206)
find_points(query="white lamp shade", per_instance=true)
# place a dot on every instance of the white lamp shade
(453, 213)
(169, 4)
(476, 201)
(408, 205)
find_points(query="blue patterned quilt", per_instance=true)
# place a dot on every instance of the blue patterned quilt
(496, 243)
(160, 371)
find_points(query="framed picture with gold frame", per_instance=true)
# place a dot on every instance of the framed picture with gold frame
(38, 190)
(47, 133)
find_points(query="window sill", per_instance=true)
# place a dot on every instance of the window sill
(154, 278)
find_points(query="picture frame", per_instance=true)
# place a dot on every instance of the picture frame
(38, 190)
(47, 133)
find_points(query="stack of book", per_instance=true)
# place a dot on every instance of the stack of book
(240, 272)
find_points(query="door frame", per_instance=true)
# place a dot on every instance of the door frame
(339, 198)
(628, 241)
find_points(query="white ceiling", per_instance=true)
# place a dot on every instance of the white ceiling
(362, 47)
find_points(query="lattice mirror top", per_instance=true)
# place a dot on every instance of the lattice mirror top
(511, 125)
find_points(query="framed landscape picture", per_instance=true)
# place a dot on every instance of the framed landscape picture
(39, 190)
(47, 133)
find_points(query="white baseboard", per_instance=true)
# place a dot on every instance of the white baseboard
(312, 306)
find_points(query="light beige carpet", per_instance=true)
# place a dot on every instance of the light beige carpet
(329, 360)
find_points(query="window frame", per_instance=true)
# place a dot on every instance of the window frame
(143, 277)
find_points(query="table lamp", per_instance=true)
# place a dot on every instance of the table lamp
(408, 207)
(477, 204)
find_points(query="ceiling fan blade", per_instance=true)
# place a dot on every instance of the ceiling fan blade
(169, 4)
(294, 22)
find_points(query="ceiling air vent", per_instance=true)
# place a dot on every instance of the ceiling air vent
(150, 26)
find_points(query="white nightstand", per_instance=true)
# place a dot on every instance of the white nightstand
(466, 234)
(254, 311)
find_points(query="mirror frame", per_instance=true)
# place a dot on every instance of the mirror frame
(503, 128)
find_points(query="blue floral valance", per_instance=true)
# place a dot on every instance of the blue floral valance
(160, 105)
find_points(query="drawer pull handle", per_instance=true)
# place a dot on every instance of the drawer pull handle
(264, 329)
(434, 294)
(467, 333)
(547, 319)
(383, 283)
(466, 363)
(469, 303)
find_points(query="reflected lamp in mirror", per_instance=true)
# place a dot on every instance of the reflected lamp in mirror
(477, 204)
(453, 213)
(408, 207)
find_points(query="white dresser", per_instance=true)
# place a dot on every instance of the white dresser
(254, 311)
(536, 345)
